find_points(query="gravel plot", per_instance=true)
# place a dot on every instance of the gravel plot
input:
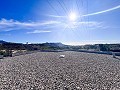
(46, 71)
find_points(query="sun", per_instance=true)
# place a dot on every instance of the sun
(72, 16)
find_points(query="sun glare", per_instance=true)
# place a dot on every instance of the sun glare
(72, 16)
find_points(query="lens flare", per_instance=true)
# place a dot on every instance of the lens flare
(72, 16)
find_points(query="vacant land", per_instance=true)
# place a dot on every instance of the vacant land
(46, 71)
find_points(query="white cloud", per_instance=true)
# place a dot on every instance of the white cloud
(8, 25)
(89, 25)
(56, 16)
(39, 27)
(38, 31)
(12, 22)
(104, 11)
(90, 14)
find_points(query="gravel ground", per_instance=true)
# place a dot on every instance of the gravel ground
(46, 71)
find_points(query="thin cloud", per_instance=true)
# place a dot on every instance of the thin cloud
(8, 25)
(90, 25)
(40, 27)
(104, 11)
(56, 16)
(12, 22)
(91, 14)
(38, 31)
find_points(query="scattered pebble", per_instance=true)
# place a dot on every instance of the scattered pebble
(46, 71)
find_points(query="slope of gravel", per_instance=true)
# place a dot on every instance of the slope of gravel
(46, 71)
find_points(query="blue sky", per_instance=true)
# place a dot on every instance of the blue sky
(38, 21)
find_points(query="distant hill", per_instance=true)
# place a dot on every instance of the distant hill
(57, 46)
(1, 42)
(41, 46)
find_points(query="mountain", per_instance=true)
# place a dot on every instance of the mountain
(2, 42)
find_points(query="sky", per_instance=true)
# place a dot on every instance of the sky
(72, 22)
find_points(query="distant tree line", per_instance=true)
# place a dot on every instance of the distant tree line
(102, 47)
(7, 48)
